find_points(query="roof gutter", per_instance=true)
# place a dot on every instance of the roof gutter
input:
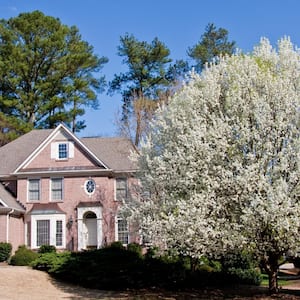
(80, 173)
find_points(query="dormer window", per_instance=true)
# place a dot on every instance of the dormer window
(63, 151)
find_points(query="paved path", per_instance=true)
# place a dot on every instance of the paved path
(24, 283)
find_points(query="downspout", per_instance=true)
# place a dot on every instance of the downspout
(7, 224)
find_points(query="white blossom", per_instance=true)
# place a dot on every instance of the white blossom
(221, 165)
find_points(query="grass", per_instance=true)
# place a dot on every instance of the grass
(265, 281)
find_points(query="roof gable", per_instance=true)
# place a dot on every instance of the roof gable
(14, 153)
(111, 154)
(60, 135)
(7, 200)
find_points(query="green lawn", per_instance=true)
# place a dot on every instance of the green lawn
(265, 281)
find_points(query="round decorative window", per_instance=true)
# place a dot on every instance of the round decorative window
(90, 186)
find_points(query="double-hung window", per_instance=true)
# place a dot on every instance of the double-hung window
(122, 231)
(42, 232)
(59, 233)
(63, 151)
(34, 189)
(57, 189)
(121, 189)
(48, 229)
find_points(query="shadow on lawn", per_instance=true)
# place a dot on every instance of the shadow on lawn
(79, 293)
(239, 292)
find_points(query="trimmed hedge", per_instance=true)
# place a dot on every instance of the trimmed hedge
(51, 262)
(47, 249)
(5, 251)
(23, 257)
(117, 268)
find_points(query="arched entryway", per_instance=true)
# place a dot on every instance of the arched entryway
(90, 222)
(89, 226)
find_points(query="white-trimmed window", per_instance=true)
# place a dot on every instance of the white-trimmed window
(42, 232)
(122, 230)
(90, 186)
(121, 189)
(48, 230)
(57, 189)
(34, 187)
(62, 150)
(59, 233)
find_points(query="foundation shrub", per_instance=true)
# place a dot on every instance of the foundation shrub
(51, 262)
(135, 248)
(117, 268)
(5, 251)
(23, 257)
(47, 249)
(107, 268)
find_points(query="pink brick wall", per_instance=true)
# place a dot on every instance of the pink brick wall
(16, 234)
(74, 193)
(3, 228)
(15, 231)
(43, 160)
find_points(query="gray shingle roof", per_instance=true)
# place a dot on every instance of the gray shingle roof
(113, 151)
(15, 152)
(9, 200)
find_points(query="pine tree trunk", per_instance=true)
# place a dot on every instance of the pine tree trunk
(138, 128)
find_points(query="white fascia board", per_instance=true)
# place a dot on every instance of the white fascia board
(86, 149)
(66, 173)
(38, 149)
(49, 139)
(3, 203)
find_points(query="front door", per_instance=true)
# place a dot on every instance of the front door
(89, 226)
(90, 221)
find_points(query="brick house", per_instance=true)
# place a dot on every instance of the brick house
(61, 190)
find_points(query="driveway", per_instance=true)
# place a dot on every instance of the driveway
(27, 284)
(24, 283)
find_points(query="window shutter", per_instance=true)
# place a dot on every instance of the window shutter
(71, 150)
(54, 153)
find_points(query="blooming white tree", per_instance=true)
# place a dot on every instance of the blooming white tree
(220, 169)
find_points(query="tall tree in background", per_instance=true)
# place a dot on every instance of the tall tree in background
(213, 43)
(221, 167)
(46, 74)
(147, 81)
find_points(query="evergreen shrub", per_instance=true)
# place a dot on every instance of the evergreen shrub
(5, 251)
(23, 257)
(51, 262)
(47, 249)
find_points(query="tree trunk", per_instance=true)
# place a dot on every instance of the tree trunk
(138, 130)
(273, 284)
(270, 264)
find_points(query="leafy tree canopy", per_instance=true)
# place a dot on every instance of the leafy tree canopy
(220, 169)
(213, 43)
(47, 74)
(149, 76)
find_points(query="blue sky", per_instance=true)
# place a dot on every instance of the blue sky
(179, 24)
